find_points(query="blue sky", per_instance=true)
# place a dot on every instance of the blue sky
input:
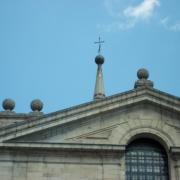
(47, 48)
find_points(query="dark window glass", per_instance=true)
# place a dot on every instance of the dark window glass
(146, 160)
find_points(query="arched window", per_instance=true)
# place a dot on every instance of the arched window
(146, 159)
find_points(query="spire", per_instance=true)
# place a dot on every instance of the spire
(99, 86)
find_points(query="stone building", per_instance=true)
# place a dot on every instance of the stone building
(134, 135)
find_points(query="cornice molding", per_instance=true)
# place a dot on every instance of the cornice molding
(87, 110)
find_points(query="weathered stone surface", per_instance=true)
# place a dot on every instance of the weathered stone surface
(89, 141)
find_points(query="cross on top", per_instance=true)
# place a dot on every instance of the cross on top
(99, 42)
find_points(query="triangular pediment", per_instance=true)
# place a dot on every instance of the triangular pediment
(91, 122)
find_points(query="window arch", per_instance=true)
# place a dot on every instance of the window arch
(146, 159)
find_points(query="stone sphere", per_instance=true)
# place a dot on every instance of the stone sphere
(36, 105)
(99, 59)
(8, 104)
(143, 73)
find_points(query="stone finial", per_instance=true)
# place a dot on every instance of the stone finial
(99, 86)
(142, 73)
(36, 105)
(143, 81)
(8, 104)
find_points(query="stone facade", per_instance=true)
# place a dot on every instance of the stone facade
(89, 141)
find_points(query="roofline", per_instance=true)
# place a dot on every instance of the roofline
(92, 108)
(97, 102)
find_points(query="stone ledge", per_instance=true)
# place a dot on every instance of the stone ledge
(65, 146)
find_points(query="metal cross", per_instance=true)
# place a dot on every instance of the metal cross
(99, 42)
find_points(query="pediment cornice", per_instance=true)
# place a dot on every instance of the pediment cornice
(94, 108)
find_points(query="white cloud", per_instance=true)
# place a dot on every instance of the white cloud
(169, 26)
(127, 16)
(143, 10)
